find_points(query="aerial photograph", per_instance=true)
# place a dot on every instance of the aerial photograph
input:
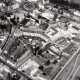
(39, 39)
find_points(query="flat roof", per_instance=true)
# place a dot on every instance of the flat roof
(67, 50)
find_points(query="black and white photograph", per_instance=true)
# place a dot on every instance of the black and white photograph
(39, 39)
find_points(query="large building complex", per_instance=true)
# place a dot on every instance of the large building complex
(39, 40)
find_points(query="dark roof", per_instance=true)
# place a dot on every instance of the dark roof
(76, 39)
(67, 50)
(43, 26)
(47, 70)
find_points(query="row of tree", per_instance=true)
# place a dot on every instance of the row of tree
(69, 3)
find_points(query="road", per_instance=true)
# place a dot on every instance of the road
(14, 69)
(76, 65)
(67, 66)
(76, 74)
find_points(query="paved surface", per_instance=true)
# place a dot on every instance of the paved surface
(13, 68)
(66, 70)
